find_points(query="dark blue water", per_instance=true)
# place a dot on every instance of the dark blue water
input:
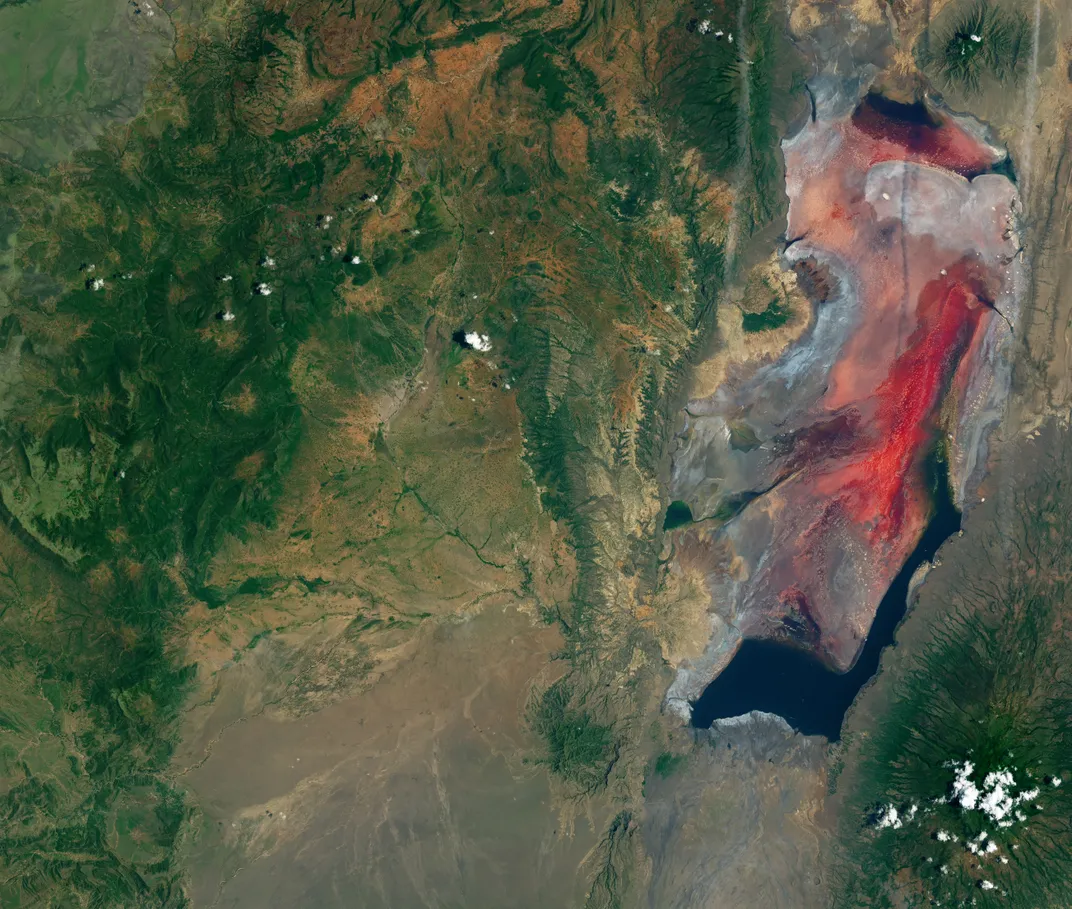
(781, 679)
(677, 515)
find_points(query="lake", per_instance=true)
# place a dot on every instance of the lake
(813, 699)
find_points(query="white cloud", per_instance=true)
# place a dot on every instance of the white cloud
(997, 802)
(976, 846)
(478, 341)
(889, 817)
(965, 792)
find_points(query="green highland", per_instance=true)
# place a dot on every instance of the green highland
(214, 296)
(974, 750)
(342, 348)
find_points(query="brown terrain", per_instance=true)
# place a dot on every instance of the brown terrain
(1033, 121)
(396, 767)
(411, 794)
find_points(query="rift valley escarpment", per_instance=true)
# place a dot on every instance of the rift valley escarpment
(807, 470)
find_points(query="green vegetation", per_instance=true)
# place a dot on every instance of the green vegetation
(980, 40)
(567, 374)
(68, 68)
(141, 427)
(774, 316)
(616, 866)
(743, 437)
(541, 74)
(989, 690)
(712, 89)
(579, 749)
(88, 813)
(677, 515)
(732, 505)
(181, 303)
(667, 764)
